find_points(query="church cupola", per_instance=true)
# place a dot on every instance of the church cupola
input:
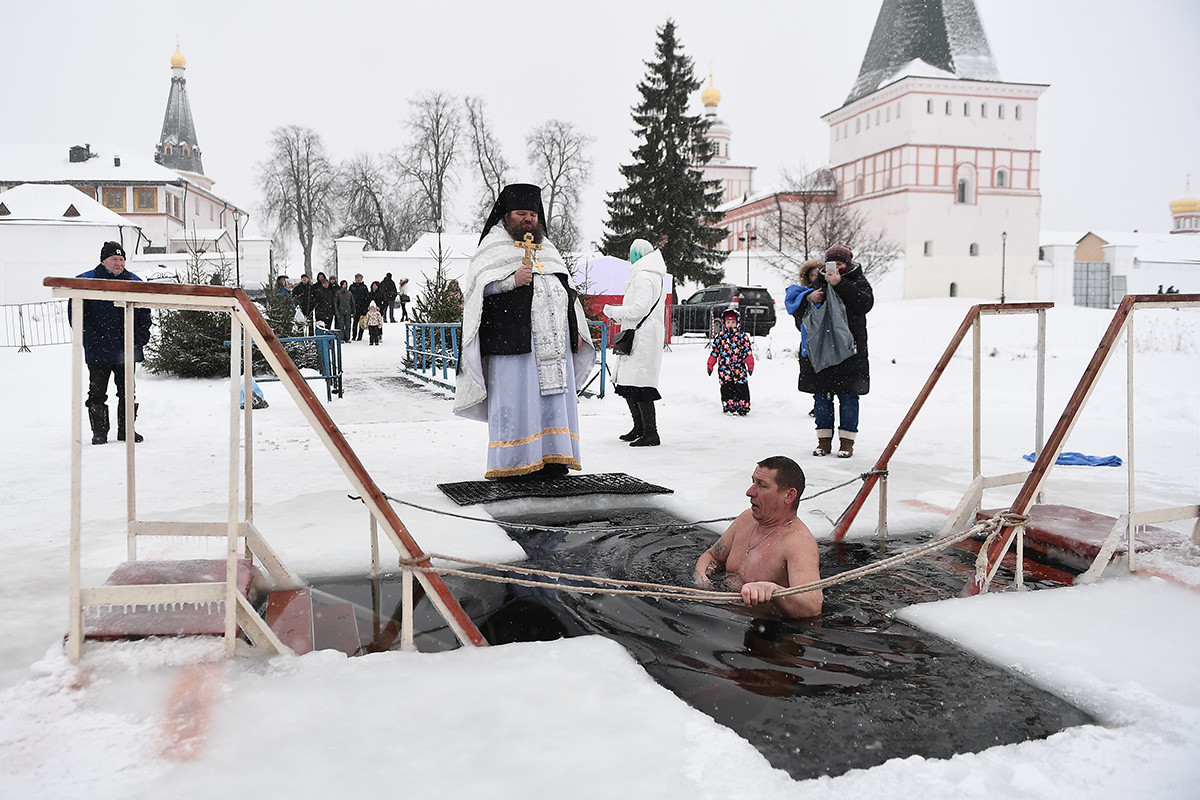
(719, 133)
(177, 147)
(1185, 212)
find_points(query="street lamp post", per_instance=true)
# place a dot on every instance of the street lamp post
(748, 238)
(1003, 255)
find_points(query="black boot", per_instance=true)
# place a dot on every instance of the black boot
(98, 417)
(637, 423)
(649, 437)
(137, 437)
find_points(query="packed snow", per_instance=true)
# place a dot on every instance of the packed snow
(579, 718)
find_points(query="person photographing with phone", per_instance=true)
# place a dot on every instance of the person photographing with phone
(840, 284)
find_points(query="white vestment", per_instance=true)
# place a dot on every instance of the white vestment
(528, 400)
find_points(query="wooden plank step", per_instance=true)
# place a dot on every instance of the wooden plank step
(1074, 536)
(164, 619)
(290, 615)
(335, 628)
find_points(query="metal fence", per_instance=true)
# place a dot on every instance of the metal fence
(432, 351)
(29, 325)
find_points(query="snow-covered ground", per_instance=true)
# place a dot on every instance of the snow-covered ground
(580, 718)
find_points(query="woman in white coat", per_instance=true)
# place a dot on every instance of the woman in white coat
(636, 375)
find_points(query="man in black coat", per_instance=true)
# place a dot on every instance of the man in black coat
(388, 286)
(852, 377)
(302, 293)
(104, 344)
(362, 299)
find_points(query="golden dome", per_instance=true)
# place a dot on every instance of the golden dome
(177, 60)
(710, 96)
(1186, 205)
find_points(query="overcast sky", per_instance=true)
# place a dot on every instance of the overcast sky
(1119, 127)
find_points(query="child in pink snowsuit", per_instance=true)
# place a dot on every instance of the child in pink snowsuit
(732, 356)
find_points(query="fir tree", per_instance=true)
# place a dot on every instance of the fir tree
(191, 344)
(442, 300)
(666, 194)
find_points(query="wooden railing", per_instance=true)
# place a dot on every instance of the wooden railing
(247, 327)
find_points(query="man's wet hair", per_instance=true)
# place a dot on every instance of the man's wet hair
(787, 474)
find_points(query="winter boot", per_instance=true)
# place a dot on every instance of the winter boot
(845, 445)
(98, 417)
(649, 437)
(636, 413)
(824, 446)
(137, 437)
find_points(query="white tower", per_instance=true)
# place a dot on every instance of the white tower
(941, 154)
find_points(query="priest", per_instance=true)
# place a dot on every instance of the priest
(526, 349)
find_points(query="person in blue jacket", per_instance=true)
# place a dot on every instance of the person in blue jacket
(104, 344)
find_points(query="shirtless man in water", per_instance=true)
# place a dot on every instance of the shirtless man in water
(767, 547)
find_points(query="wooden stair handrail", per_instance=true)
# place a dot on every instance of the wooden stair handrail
(266, 339)
(881, 464)
(1066, 422)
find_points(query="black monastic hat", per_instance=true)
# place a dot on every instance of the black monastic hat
(516, 197)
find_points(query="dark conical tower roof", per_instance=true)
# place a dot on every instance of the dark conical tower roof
(945, 34)
(177, 147)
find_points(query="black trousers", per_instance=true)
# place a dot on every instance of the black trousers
(98, 375)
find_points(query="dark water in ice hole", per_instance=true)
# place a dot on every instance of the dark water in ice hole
(850, 689)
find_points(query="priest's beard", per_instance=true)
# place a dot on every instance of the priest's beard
(517, 232)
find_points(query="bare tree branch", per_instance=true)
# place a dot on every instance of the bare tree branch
(557, 154)
(431, 159)
(298, 182)
(494, 169)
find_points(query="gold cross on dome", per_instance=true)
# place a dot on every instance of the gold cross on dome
(530, 249)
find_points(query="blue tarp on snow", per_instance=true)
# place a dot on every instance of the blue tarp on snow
(1080, 460)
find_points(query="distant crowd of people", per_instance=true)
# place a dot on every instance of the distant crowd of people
(344, 306)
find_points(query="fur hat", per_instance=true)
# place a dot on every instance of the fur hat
(807, 267)
(111, 249)
(639, 248)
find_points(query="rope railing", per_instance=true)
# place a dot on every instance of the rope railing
(591, 584)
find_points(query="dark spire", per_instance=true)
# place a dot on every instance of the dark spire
(177, 147)
(945, 34)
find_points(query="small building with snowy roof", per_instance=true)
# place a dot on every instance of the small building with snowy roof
(52, 230)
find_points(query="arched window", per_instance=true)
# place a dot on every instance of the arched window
(858, 125)
(974, 250)
(929, 247)
(1017, 113)
(966, 109)
(953, 289)
(858, 185)
(983, 110)
(1002, 178)
(1000, 111)
(185, 150)
(948, 109)
(168, 148)
(964, 184)
(928, 106)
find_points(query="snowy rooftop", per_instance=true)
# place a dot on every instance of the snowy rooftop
(40, 202)
(51, 162)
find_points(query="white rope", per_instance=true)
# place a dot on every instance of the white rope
(597, 585)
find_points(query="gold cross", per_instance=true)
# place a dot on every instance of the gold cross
(530, 248)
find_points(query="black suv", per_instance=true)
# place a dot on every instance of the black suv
(701, 313)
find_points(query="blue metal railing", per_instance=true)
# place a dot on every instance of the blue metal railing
(329, 354)
(431, 353)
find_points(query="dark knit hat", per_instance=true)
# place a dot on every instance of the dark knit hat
(516, 197)
(841, 254)
(111, 249)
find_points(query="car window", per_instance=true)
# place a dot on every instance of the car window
(712, 295)
(756, 296)
(695, 298)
